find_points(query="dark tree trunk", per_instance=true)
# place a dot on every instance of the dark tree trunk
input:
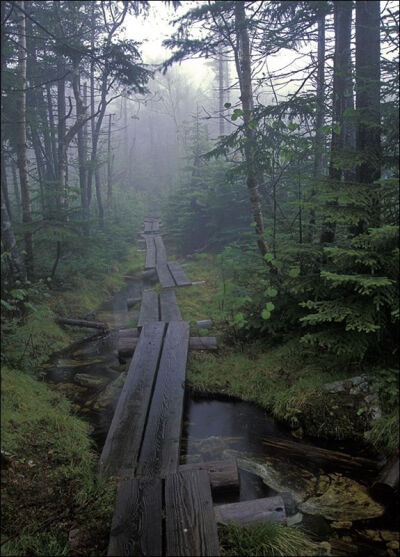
(221, 91)
(319, 139)
(342, 132)
(16, 188)
(109, 183)
(243, 65)
(4, 184)
(368, 99)
(10, 246)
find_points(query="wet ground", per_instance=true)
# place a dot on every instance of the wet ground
(333, 506)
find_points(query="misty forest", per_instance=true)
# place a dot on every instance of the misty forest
(199, 279)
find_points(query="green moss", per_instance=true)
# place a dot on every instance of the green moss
(264, 539)
(51, 482)
(384, 434)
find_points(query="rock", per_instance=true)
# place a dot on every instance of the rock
(347, 539)
(326, 547)
(333, 496)
(342, 525)
(392, 553)
(335, 387)
(111, 392)
(86, 380)
(359, 379)
(393, 545)
(389, 535)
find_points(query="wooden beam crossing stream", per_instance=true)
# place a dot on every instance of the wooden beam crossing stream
(162, 508)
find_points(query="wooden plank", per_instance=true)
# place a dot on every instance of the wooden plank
(161, 253)
(148, 226)
(124, 437)
(149, 308)
(150, 253)
(203, 343)
(159, 454)
(156, 226)
(127, 345)
(164, 276)
(191, 528)
(249, 512)
(179, 274)
(169, 307)
(137, 522)
(224, 474)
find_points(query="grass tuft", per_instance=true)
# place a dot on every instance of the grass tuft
(265, 539)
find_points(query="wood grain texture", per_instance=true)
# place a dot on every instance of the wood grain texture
(124, 437)
(159, 454)
(164, 276)
(169, 307)
(161, 254)
(190, 521)
(137, 523)
(149, 308)
(179, 274)
(127, 346)
(224, 474)
(150, 253)
(249, 512)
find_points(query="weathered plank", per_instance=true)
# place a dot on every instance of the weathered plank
(148, 225)
(161, 253)
(203, 343)
(128, 344)
(150, 253)
(156, 226)
(249, 512)
(159, 454)
(178, 273)
(124, 437)
(224, 474)
(149, 308)
(137, 522)
(81, 323)
(190, 521)
(164, 276)
(169, 307)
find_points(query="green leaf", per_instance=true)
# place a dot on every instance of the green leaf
(270, 306)
(268, 257)
(7, 305)
(294, 272)
(272, 292)
(265, 314)
(227, 105)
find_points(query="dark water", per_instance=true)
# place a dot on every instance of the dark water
(212, 429)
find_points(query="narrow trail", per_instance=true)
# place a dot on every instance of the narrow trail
(163, 508)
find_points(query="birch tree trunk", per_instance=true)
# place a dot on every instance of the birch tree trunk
(243, 66)
(21, 138)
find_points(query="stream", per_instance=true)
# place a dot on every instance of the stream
(333, 506)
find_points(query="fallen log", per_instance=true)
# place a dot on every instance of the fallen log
(132, 332)
(82, 323)
(224, 474)
(250, 512)
(329, 457)
(387, 482)
(132, 301)
(203, 343)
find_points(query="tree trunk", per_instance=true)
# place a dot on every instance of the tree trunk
(52, 132)
(342, 131)
(21, 139)
(62, 148)
(109, 184)
(10, 246)
(80, 112)
(243, 66)
(221, 91)
(368, 99)
(4, 184)
(99, 197)
(319, 139)
(16, 189)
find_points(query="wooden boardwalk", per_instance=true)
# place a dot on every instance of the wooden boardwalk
(161, 508)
